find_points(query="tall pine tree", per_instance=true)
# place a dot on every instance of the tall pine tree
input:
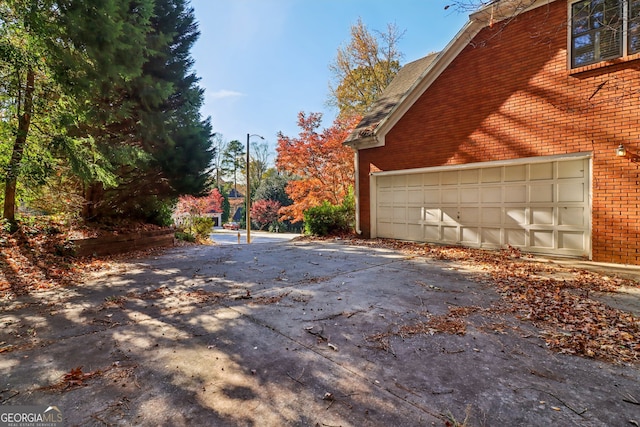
(163, 120)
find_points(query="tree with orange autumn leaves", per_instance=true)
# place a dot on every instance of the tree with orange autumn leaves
(323, 168)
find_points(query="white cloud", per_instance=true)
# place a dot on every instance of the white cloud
(224, 93)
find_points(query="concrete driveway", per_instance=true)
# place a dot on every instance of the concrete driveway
(295, 334)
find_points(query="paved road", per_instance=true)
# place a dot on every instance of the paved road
(230, 237)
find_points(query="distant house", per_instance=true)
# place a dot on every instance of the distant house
(217, 218)
(184, 219)
(238, 215)
(236, 202)
(524, 131)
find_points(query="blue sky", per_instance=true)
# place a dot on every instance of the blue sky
(263, 61)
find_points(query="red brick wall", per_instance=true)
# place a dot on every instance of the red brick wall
(510, 94)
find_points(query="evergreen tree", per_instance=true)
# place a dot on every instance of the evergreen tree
(233, 161)
(273, 188)
(104, 91)
(164, 121)
(183, 149)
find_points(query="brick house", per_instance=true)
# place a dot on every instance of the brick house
(523, 131)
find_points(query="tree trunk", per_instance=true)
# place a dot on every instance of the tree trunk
(13, 169)
(93, 194)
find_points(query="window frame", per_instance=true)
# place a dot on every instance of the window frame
(624, 43)
(628, 32)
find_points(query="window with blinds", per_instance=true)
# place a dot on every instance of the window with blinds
(604, 29)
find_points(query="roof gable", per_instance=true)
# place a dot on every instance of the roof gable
(380, 120)
(402, 83)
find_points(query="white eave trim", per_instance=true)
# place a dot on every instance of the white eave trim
(506, 9)
(365, 142)
(477, 21)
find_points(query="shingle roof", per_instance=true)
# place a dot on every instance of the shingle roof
(235, 193)
(408, 75)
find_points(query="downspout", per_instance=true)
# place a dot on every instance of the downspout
(357, 191)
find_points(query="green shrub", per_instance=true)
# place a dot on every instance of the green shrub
(154, 210)
(196, 229)
(319, 220)
(7, 226)
(329, 219)
(202, 227)
(184, 236)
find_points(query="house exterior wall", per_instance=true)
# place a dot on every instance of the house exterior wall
(510, 94)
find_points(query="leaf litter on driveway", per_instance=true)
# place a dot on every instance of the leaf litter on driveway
(557, 299)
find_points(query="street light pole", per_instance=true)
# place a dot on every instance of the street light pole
(248, 196)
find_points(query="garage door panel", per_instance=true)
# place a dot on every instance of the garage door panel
(515, 237)
(515, 173)
(385, 196)
(491, 216)
(449, 178)
(490, 194)
(399, 181)
(399, 196)
(571, 192)
(470, 176)
(414, 232)
(469, 195)
(541, 171)
(432, 215)
(469, 215)
(431, 179)
(571, 169)
(384, 182)
(542, 216)
(432, 233)
(385, 228)
(540, 206)
(572, 216)
(571, 240)
(414, 214)
(470, 235)
(491, 175)
(450, 195)
(449, 215)
(414, 180)
(491, 236)
(515, 193)
(431, 197)
(399, 214)
(450, 234)
(415, 196)
(542, 239)
(400, 230)
(541, 193)
(515, 216)
(385, 213)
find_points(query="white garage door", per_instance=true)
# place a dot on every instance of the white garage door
(538, 204)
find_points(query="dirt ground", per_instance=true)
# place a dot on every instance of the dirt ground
(327, 333)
